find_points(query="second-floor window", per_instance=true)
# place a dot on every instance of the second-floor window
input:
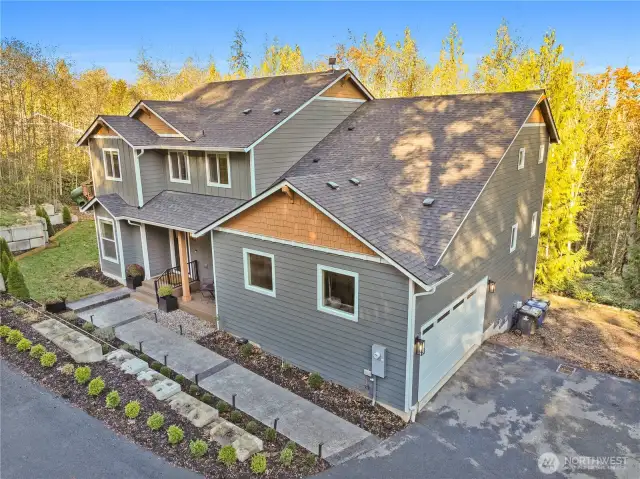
(111, 160)
(179, 167)
(521, 154)
(218, 169)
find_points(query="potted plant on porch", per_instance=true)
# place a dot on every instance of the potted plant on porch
(55, 304)
(167, 302)
(135, 275)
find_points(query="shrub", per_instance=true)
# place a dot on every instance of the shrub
(113, 399)
(47, 360)
(251, 427)
(67, 369)
(19, 311)
(82, 374)
(4, 248)
(5, 262)
(193, 389)
(132, 409)
(174, 434)
(291, 445)
(270, 434)
(96, 385)
(7, 303)
(179, 379)
(66, 215)
(4, 329)
(258, 463)
(165, 371)
(223, 406)
(105, 349)
(286, 456)
(42, 213)
(285, 366)
(315, 381)
(14, 336)
(37, 351)
(165, 290)
(88, 327)
(235, 417)
(155, 421)
(23, 345)
(206, 398)
(310, 460)
(15, 282)
(135, 270)
(127, 347)
(246, 350)
(156, 365)
(31, 317)
(144, 357)
(198, 448)
(227, 455)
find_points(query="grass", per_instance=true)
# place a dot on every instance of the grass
(10, 218)
(50, 272)
(604, 289)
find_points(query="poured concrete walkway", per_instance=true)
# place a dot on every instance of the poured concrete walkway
(99, 299)
(298, 419)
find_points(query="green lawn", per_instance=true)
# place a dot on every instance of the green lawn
(50, 272)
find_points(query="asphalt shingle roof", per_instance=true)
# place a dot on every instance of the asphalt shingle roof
(131, 129)
(403, 150)
(189, 211)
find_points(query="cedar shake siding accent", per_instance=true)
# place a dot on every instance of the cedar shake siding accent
(345, 88)
(481, 247)
(158, 249)
(290, 325)
(108, 266)
(284, 147)
(278, 216)
(154, 123)
(125, 188)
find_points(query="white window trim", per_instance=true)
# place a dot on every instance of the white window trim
(541, 154)
(513, 239)
(534, 224)
(336, 312)
(247, 272)
(104, 163)
(178, 180)
(102, 219)
(217, 156)
(521, 154)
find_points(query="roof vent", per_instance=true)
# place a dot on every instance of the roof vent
(315, 160)
(277, 111)
(333, 185)
(355, 181)
(350, 128)
(428, 201)
(247, 111)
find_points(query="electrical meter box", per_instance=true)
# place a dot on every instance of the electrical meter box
(378, 360)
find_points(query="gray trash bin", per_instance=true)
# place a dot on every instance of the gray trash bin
(527, 318)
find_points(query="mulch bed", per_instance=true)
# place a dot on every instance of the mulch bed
(341, 401)
(137, 430)
(94, 273)
(58, 228)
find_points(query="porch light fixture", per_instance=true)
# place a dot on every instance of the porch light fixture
(418, 346)
(492, 286)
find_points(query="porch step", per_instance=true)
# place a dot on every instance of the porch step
(205, 310)
(144, 297)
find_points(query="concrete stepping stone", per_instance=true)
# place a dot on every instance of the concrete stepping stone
(158, 385)
(81, 348)
(134, 366)
(224, 433)
(197, 413)
(118, 357)
(50, 328)
(99, 299)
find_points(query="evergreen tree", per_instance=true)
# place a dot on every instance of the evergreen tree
(42, 213)
(66, 215)
(4, 248)
(239, 60)
(15, 282)
(5, 262)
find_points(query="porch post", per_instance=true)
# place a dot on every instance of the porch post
(184, 266)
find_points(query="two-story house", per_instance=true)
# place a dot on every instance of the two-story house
(375, 241)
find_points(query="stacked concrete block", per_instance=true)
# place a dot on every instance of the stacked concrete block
(25, 237)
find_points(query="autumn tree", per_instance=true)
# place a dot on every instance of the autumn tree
(239, 59)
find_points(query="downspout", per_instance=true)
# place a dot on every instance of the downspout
(136, 164)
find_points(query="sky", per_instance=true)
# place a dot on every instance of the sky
(110, 35)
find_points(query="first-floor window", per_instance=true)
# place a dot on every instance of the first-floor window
(179, 167)
(218, 169)
(111, 160)
(514, 238)
(259, 272)
(534, 224)
(107, 232)
(338, 292)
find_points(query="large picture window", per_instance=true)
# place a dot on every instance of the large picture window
(111, 160)
(338, 292)
(179, 167)
(108, 243)
(218, 170)
(259, 272)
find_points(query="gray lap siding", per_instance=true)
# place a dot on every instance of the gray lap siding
(106, 265)
(158, 249)
(131, 244)
(125, 188)
(291, 326)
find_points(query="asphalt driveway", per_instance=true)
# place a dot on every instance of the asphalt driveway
(502, 414)
(43, 436)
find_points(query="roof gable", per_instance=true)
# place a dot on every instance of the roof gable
(155, 123)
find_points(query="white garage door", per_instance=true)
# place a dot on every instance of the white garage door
(450, 335)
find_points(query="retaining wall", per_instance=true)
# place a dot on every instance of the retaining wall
(26, 237)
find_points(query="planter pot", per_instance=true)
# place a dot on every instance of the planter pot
(57, 307)
(134, 281)
(168, 303)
